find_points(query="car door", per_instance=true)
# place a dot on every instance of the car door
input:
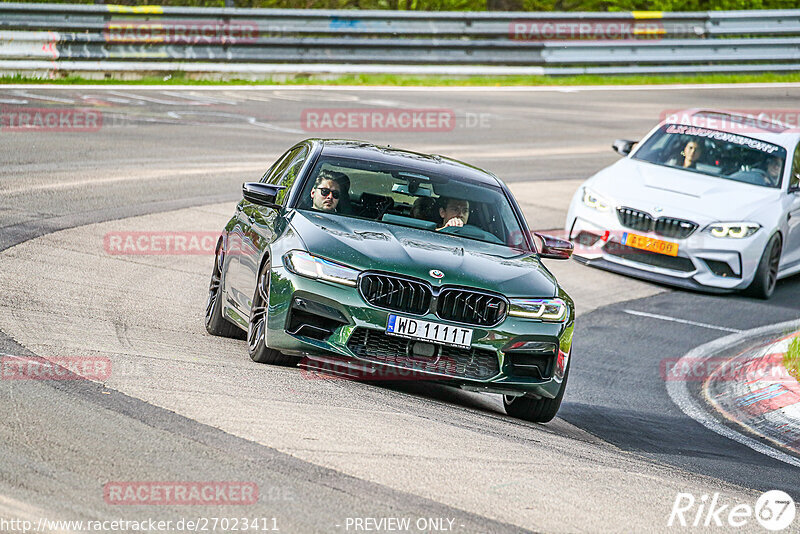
(240, 243)
(259, 225)
(791, 247)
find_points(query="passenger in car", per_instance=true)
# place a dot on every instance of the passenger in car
(453, 211)
(689, 155)
(774, 165)
(424, 209)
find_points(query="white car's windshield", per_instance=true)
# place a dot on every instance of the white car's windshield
(408, 197)
(715, 153)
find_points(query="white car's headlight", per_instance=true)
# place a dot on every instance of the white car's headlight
(595, 201)
(305, 264)
(735, 230)
(544, 309)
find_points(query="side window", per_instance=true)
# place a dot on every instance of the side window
(274, 172)
(290, 171)
(794, 178)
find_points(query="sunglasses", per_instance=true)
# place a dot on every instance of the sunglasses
(324, 191)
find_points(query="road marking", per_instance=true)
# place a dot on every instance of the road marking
(411, 89)
(45, 98)
(678, 390)
(157, 174)
(683, 321)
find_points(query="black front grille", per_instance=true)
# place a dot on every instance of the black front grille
(675, 263)
(666, 226)
(635, 219)
(471, 307)
(379, 347)
(675, 228)
(395, 293)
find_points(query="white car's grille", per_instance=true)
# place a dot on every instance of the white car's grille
(665, 226)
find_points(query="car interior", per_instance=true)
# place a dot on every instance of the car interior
(409, 199)
(717, 158)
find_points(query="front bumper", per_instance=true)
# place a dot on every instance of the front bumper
(703, 262)
(351, 336)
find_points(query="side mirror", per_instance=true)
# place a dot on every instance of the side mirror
(261, 194)
(555, 248)
(623, 147)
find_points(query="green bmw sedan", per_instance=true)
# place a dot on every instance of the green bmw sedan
(375, 263)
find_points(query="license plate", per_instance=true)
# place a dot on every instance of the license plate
(650, 244)
(428, 331)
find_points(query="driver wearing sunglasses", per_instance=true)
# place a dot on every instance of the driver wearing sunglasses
(327, 190)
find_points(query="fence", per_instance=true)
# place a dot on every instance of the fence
(100, 38)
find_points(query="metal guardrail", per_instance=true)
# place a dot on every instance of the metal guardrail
(35, 37)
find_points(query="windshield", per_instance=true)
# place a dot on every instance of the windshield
(714, 153)
(407, 197)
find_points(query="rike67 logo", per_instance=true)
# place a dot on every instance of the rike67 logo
(774, 510)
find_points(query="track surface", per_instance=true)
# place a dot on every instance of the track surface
(322, 451)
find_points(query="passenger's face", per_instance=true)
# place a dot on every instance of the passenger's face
(774, 168)
(691, 152)
(323, 195)
(455, 208)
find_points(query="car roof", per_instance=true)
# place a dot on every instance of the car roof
(432, 163)
(764, 125)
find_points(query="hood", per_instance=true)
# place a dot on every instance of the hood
(372, 245)
(681, 194)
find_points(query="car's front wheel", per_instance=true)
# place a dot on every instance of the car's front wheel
(216, 324)
(257, 327)
(763, 285)
(535, 410)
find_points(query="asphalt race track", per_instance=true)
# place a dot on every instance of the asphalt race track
(181, 405)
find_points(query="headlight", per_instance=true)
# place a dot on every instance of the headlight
(305, 264)
(735, 230)
(595, 201)
(543, 309)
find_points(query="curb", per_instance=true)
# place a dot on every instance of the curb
(757, 392)
(701, 412)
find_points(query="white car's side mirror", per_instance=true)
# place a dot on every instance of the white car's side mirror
(623, 147)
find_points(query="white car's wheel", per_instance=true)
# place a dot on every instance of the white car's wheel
(763, 284)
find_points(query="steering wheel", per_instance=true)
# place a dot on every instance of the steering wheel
(472, 231)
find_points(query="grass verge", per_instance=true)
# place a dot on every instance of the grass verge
(408, 80)
(792, 358)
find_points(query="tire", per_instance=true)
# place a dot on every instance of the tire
(763, 285)
(535, 410)
(257, 329)
(216, 323)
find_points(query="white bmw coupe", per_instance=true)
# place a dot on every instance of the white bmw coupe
(708, 200)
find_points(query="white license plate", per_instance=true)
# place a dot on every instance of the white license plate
(428, 331)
